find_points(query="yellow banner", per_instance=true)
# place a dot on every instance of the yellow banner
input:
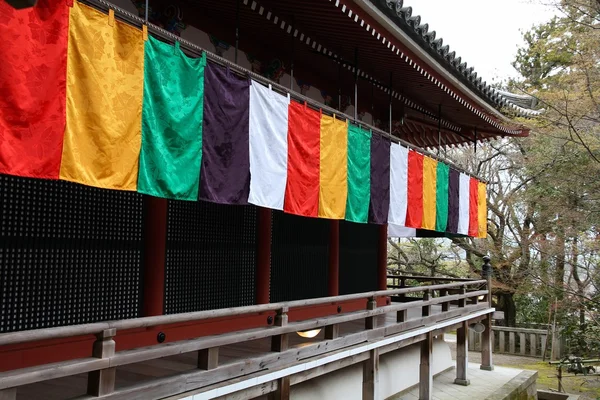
(429, 192)
(333, 185)
(482, 209)
(105, 75)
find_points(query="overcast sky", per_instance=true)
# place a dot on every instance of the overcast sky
(485, 33)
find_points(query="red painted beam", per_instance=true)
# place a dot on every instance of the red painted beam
(263, 256)
(155, 253)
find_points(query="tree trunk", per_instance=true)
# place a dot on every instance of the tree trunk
(506, 303)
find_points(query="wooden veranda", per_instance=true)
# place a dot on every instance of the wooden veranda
(116, 364)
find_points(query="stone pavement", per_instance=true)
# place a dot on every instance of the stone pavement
(484, 384)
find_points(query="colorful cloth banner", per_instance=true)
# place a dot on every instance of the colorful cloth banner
(414, 213)
(463, 204)
(302, 190)
(333, 167)
(441, 200)
(171, 122)
(473, 205)
(398, 185)
(379, 205)
(359, 174)
(33, 64)
(105, 75)
(268, 146)
(453, 200)
(482, 210)
(429, 193)
(225, 171)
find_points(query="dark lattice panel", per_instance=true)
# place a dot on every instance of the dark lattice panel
(358, 257)
(299, 257)
(211, 256)
(69, 254)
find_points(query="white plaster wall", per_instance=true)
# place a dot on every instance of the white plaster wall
(398, 370)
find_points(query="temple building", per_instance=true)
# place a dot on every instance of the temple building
(196, 199)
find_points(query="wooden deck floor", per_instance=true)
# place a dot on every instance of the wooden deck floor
(75, 386)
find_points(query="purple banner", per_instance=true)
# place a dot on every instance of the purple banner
(225, 170)
(453, 197)
(380, 180)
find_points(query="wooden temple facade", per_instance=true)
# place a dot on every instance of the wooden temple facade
(116, 294)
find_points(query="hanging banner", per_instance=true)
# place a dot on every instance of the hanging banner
(429, 193)
(473, 205)
(414, 212)
(302, 190)
(333, 168)
(105, 75)
(441, 197)
(463, 205)
(453, 200)
(398, 185)
(225, 171)
(268, 147)
(171, 122)
(379, 205)
(33, 65)
(359, 174)
(482, 210)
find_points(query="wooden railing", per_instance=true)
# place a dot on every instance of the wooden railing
(105, 354)
(517, 341)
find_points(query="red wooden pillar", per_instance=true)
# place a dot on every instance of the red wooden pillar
(263, 255)
(334, 258)
(155, 253)
(382, 258)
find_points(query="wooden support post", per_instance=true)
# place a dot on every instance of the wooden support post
(487, 345)
(154, 254)
(279, 343)
(102, 382)
(8, 394)
(426, 311)
(208, 358)
(371, 376)
(532, 344)
(263, 255)
(560, 384)
(332, 331)
(522, 343)
(382, 258)
(425, 375)
(462, 355)
(371, 322)
(501, 342)
(511, 343)
(334, 258)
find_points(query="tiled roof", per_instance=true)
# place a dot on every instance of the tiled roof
(428, 40)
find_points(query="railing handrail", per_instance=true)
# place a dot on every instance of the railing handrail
(519, 330)
(430, 278)
(143, 322)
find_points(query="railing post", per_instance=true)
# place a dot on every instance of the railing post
(279, 343)
(462, 354)
(462, 300)
(332, 331)
(208, 358)
(487, 344)
(371, 376)
(371, 322)
(425, 375)
(445, 304)
(426, 311)
(102, 382)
